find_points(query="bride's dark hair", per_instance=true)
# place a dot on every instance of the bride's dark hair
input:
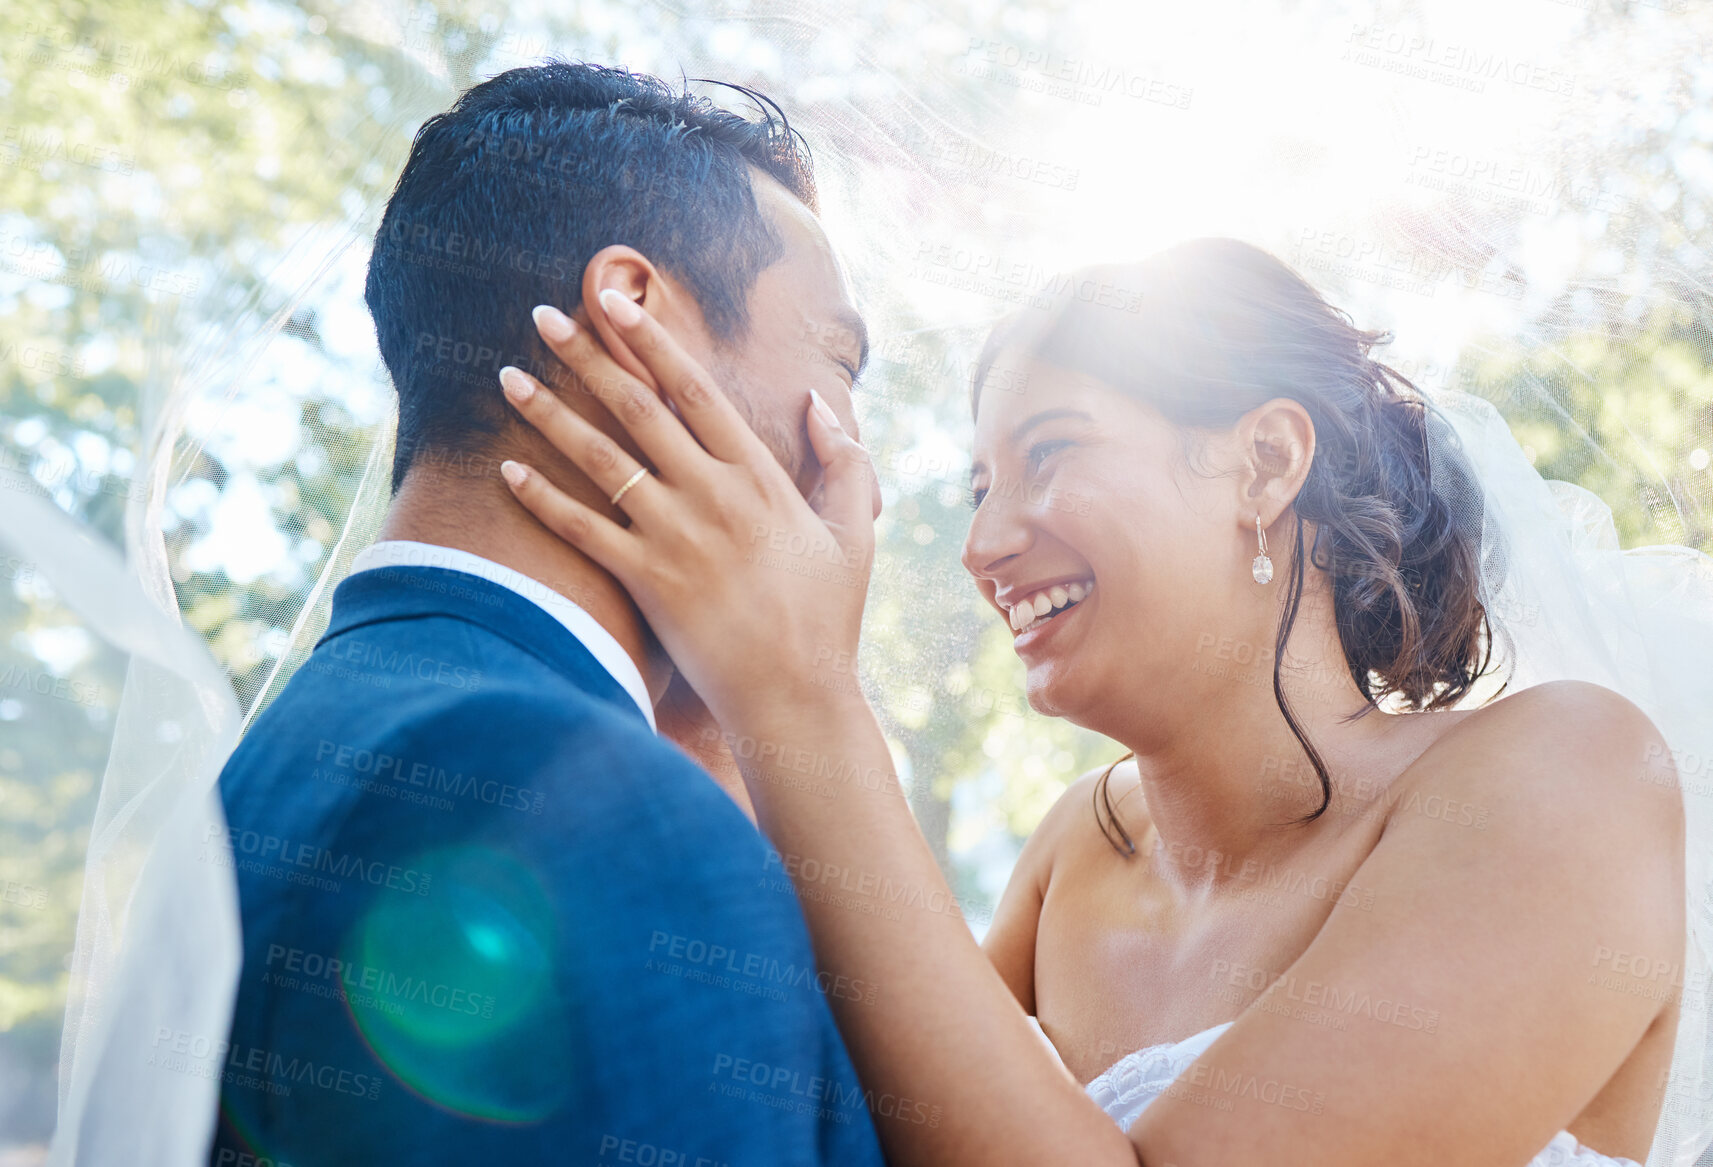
(1208, 330)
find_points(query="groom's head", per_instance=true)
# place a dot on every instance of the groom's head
(548, 184)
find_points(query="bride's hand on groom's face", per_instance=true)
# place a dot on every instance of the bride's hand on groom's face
(756, 596)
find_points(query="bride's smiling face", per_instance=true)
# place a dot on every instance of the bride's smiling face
(1087, 512)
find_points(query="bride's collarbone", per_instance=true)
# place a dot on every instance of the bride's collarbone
(1117, 923)
(1113, 928)
(1188, 966)
(1177, 891)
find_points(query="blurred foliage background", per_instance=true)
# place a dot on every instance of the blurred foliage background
(187, 189)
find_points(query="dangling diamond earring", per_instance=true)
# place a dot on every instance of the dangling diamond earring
(1262, 568)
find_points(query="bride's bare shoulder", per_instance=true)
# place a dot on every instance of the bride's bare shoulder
(1099, 812)
(1573, 745)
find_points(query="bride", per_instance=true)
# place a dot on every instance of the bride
(1328, 910)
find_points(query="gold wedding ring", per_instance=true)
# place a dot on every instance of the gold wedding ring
(641, 473)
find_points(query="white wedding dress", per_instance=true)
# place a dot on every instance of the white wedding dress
(1127, 1087)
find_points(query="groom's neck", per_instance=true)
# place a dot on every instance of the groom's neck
(470, 514)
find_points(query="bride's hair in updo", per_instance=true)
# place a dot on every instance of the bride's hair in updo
(1207, 331)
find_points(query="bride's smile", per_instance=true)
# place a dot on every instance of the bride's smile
(1050, 541)
(1040, 605)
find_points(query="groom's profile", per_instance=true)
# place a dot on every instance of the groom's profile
(489, 914)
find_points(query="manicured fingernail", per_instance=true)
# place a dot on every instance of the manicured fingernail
(554, 324)
(621, 309)
(517, 386)
(514, 473)
(825, 410)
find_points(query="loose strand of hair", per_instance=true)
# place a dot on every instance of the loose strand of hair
(1102, 794)
(1284, 635)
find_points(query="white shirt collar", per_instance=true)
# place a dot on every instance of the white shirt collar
(599, 642)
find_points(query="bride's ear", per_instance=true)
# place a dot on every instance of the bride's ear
(628, 272)
(1277, 442)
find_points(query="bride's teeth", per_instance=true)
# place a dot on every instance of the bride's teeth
(1041, 604)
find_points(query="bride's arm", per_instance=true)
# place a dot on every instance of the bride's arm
(942, 1028)
(1010, 939)
(1010, 942)
(1510, 940)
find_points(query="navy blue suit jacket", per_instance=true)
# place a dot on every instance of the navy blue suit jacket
(490, 917)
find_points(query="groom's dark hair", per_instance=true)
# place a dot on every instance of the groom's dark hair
(507, 196)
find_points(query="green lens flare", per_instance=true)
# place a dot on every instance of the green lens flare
(454, 990)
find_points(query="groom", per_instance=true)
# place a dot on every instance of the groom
(490, 915)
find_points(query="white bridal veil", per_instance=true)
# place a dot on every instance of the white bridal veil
(1572, 604)
(964, 155)
(158, 946)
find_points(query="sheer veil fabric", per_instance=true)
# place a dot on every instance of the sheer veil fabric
(1570, 604)
(155, 970)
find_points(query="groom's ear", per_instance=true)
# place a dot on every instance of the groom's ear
(628, 272)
